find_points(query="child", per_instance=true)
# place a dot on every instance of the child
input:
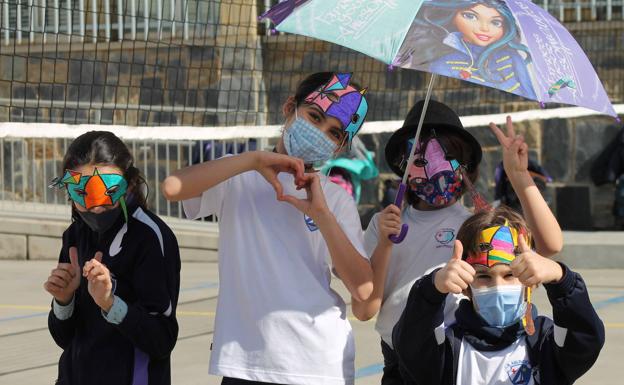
(447, 161)
(278, 320)
(488, 343)
(116, 285)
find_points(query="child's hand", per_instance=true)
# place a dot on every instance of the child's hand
(456, 275)
(532, 269)
(100, 283)
(515, 150)
(314, 205)
(65, 279)
(269, 164)
(389, 223)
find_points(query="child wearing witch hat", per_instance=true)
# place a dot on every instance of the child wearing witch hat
(497, 338)
(445, 167)
(116, 285)
(282, 230)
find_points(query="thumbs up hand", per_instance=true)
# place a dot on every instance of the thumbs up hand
(532, 269)
(100, 285)
(456, 275)
(64, 280)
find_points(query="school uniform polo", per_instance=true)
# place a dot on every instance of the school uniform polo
(277, 320)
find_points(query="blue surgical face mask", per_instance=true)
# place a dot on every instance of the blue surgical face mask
(499, 306)
(303, 140)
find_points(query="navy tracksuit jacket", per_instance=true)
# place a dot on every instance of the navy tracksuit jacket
(424, 360)
(144, 261)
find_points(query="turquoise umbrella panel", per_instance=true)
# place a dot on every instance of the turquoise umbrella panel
(511, 45)
(376, 28)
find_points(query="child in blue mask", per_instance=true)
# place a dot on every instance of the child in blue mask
(497, 339)
(444, 169)
(282, 231)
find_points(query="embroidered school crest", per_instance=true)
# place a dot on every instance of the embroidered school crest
(310, 223)
(519, 372)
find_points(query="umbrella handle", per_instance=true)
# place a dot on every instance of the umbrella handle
(397, 201)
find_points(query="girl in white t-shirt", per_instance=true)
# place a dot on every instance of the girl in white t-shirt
(282, 229)
(445, 167)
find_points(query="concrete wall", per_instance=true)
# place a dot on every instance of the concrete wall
(34, 239)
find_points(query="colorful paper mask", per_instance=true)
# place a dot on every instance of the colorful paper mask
(346, 103)
(94, 190)
(434, 178)
(497, 244)
(432, 162)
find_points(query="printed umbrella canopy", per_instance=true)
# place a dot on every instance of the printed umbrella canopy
(511, 45)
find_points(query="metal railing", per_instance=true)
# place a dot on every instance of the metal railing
(27, 165)
(564, 10)
(118, 20)
(107, 20)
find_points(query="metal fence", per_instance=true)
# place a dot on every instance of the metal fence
(27, 166)
(205, 63)
(106, 20)
(118, 20)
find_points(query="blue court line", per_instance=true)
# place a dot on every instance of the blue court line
(608, 302)
(369, 370)
(17, 317)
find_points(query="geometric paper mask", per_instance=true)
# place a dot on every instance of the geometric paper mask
(432, 162)
(497, 244)
(338, 99)
(94, 190)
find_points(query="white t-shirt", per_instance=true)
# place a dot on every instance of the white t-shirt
(428, 244)
(277, 318)
(502, 367)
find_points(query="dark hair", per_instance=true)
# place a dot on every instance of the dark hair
(103, 147)
(458, 149)
(435, 20)
(469, 233)
(310, 84)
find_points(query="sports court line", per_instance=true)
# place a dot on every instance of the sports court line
(206, 285)
(609, 302)
(370, 370)
(18, 317)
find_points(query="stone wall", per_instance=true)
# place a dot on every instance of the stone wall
(210, 80)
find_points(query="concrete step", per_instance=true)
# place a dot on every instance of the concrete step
(593, 249)
(39, 238)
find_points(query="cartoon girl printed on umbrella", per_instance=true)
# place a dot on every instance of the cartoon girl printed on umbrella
(473, 40)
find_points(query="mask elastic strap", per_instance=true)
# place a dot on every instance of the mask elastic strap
(124, 209)
(527, 320)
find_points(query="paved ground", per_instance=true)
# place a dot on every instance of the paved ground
(28, 356)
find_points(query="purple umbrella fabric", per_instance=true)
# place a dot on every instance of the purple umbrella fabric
(511, 45)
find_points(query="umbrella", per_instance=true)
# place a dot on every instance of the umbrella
(511, 45)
